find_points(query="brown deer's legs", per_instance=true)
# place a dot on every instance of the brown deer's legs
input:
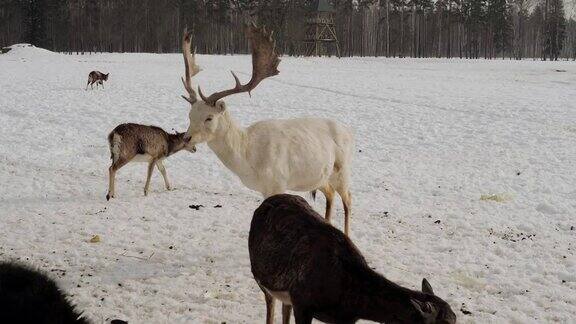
(328, 192)
(87, 84)
(112, 176)
(270, 302)
(148, 176)
(286, 310)
(162, 170)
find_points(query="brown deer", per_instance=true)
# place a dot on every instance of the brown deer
(140, 143)
(299, 258)
(98, 78)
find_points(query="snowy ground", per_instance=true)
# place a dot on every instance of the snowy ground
(433, 136)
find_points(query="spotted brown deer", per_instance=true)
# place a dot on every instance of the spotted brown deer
(140, 143)
(298, 258)
(272, 156)
(98, 78)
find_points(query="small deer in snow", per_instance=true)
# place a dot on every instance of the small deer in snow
(310, 266)
(140, 143)
(273, 156)
(98, 78)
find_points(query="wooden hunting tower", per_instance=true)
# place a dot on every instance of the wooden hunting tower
(320, 38)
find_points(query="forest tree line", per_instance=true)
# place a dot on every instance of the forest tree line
(394, 28)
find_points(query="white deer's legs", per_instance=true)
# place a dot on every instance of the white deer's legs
(347, 201)
(328, 192)
(148, 176)
(162, 170)
(286, 310)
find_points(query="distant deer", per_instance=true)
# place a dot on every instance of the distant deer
(140, 143)
(273, 156)
(98, 78)
(30, 296)
(306, 263)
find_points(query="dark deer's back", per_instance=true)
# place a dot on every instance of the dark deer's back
(285, 227)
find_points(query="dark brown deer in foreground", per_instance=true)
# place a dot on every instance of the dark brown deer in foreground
(98, 78)
(300, 259)
(30, 296)
(140, 143)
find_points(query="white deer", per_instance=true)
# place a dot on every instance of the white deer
(272, 156)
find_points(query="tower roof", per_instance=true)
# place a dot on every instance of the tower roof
(324, 6)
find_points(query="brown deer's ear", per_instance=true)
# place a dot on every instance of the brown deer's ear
(426, 287)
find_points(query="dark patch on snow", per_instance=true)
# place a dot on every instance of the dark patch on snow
(196, 207)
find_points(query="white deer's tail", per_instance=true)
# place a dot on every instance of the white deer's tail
(115, 140)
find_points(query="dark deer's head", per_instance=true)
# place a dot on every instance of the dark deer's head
(433, 309)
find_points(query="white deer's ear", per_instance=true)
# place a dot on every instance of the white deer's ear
(220, 106)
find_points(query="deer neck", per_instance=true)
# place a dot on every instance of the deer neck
(174, 143)
(230, 145)
(381, 300)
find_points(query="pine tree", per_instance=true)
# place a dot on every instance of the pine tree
(499, 19)
(34, 21)
(555, 29)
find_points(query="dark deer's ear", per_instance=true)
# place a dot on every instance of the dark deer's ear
(426, 309)
(426, 287)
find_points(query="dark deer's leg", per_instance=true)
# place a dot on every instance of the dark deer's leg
(150, 169)
(302, 316)
(102, 84)
(112, 176)
(87, 84)
(270, 303)
(286, 310)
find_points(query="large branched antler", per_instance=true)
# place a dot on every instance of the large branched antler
(191, 68)
(264, 64)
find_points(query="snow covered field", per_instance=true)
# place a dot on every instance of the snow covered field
(433, 137)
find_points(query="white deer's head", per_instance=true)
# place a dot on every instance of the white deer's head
(206, 115)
